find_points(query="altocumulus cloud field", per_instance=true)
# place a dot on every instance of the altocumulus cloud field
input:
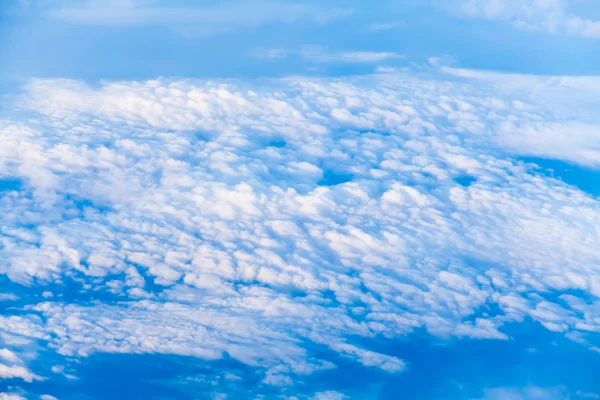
(426, 232)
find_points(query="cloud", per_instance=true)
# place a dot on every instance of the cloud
(7, 297)
(257, 220)
(11, 372)
(587, 395)
(320, 55)
(226, 17)
(9, 356)
(527, 393)
(349, 57)
(11, 396)
(329, 395)
(11, 367)
(369, 358)
(545, 135)
(271, 53)
(551, 16)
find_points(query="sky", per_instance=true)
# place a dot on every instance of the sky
(267, 199)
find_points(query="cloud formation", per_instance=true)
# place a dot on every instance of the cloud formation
(552, 16)
(261, 220)
(526, 393)
(207, 20)
(321, 55)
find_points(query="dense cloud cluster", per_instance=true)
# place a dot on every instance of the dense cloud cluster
(256, 220)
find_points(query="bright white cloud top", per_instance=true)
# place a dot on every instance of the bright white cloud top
(255, 220)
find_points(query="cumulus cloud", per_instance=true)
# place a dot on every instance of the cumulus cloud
(249, 219)
(15, 371)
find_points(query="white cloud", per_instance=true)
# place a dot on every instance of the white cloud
(321, 55)
(329, 395)
(11, 396)
(349, 56)
(551, 16)
(378, 27)
(370, 358)
(7, 296)
(16, 371)
(194, 20)
(587, 395)
(9, 356)
(11, 366)
(526, 393)
(223, 196)
(571, 135)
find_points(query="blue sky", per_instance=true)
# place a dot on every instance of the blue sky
(299, 200)
(145, 39)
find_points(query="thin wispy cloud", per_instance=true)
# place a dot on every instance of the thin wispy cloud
(380, 27)
(551, 16)
(207, 20)
(349, 56)
(320, 55)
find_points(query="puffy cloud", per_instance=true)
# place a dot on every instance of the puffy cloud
(248, 219)
(15, 371)
(11, 367)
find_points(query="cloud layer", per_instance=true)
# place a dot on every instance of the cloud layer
(258, 219)
(551, 16)
(188, 18)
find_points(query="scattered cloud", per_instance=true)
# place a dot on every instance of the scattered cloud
(249, 219)
(329, 395)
